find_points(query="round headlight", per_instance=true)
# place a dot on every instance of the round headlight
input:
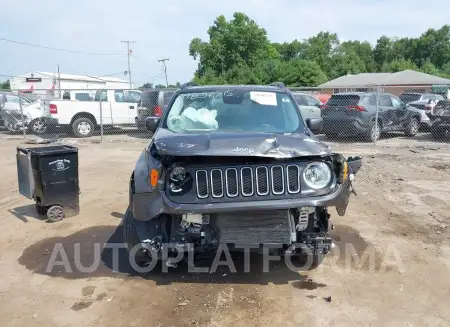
(178, 174)
(317, 175)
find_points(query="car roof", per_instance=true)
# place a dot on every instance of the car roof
(158, 90)
(212, 88)
(353, 93)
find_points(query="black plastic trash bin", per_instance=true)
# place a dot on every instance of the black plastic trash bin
(49, 175)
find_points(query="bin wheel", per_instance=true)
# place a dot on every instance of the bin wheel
(40, 209)
(55, 213)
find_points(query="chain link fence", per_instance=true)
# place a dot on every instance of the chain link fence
(357, 114)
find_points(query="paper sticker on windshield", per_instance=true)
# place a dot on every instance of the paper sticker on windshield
(264, 98)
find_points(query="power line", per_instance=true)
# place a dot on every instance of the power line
(165, 68)
(59, 49)
(142, 61)
(107, 75)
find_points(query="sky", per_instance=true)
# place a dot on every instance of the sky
(164, 29)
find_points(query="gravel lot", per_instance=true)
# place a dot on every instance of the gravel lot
(400, 218)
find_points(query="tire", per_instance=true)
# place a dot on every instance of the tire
(37, 126)
(412, 128)
(83, 127)
(55, 214)
(374, 132)
(131, 238)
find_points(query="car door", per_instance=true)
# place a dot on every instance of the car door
(305, 110)
(386, 112)
(132, 98)
(314, 106)
(120, 108)
(400, 110)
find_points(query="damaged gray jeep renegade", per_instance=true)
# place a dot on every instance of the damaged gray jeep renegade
(235, 165)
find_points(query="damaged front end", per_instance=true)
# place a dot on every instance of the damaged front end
(195, 202)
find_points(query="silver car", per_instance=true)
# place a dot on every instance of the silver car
(422, 103)
(309, 105)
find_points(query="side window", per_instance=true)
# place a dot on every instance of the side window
(66, 96)
(385, 100)
(312, 101)
(300, 99)
(119, 96)
(372, 100)
(395, 102)
(166, 98)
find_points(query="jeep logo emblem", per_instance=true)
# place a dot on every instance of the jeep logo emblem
(247, 150)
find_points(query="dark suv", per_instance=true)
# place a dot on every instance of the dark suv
(152, 104)
(354, 113)
(440, 118)
(234, 165)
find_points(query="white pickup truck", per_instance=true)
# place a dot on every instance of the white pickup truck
(111, 107)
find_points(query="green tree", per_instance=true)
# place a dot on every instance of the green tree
(291, 50)
(383, 51)
(429, 68)
(445, 70)
(5, 85)
(321, 48)
(235, 43)
(433, 46)
(147, 86)
(300, 72)
(398, 65)
(346, 63)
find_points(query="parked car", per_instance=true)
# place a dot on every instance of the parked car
(309, 105)
(118, 108)
(440, 117)
(244, 169)
(353, 114)
(35, 117)
(422, 103)
(152, 104)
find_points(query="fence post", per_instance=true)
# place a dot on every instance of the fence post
(22, 117)
(101, 119)
(376, 114)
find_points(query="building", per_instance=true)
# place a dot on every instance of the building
(395, 83)
(41, 83)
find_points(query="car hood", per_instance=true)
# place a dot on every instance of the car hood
(238, 144)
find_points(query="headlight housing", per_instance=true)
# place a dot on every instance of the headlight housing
(317, 175)
(177, 174)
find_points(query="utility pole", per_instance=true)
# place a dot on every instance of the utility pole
(59, 84)
(165, 69)
(128, 54)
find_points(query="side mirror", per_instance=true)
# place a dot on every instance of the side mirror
(314, 124)
(151, 123)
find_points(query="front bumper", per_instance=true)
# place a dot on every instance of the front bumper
(146, 206)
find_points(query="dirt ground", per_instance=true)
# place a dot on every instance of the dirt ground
(401, 217)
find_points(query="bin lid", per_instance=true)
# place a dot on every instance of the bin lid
(50, 150)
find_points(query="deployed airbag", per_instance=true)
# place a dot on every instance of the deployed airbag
(192, 119)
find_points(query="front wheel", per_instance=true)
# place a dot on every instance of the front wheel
(412, 128)
(38, 126)
(374, 132)
(83, 127)
(131, 238)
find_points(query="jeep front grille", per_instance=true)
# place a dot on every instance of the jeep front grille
(248, 181)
